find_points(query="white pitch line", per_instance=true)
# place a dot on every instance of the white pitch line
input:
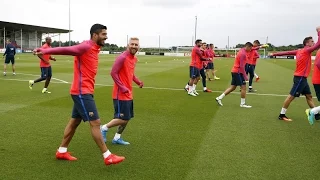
(66, 82)
(29, 74)
(39, 76)
(157, 88)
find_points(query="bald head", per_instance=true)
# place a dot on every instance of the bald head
(48, 40)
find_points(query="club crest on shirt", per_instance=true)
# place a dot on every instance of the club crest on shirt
(91, 114)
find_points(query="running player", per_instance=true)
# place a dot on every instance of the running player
(303, 67)
(45, 67)
(195, 66)
(82, 89)
(239, 76)
(9, 53)
(210, 67)
(123, 74)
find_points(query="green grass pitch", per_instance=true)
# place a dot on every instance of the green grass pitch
(173, 135)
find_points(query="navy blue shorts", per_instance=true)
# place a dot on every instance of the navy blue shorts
(300, 86)
(46, 72)
(250, 68)
(84, 107)
(9, 59)
(237, 79)
(210, 65)
(317, 90)
(194, 72)
(123, 109)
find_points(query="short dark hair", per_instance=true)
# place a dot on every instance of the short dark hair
(211, 44)
(97, 28)
(248, 44)
(197, 41)
(256, 41)
(306, 40)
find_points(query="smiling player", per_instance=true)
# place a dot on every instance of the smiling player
(86, 60)
(123, 74)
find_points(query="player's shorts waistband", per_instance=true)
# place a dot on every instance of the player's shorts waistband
(74, 94)
(300, 77)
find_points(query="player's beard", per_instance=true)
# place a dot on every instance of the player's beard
(101, 42)
(133, 51)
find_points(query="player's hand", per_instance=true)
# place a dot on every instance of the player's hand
(124, 90)
(318, 29)
(53, 58)
(37, 51)
(140, 84)
(270, 54)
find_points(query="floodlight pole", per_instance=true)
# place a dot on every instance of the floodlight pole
(127, 40)
(192, 43)
(4, 37)
(21, 39)
(195, 28)
(59, 40)
(69, 23)
(159, 44)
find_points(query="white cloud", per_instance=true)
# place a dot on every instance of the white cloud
(284, 21)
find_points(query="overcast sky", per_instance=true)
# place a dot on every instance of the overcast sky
(283, 21)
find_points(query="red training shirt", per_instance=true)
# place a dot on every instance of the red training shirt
(45, 57)
(210, 54)
(240, 63)
(123, 74)
(197, 58)
(303, 58)
(85, 65)
(316, 69)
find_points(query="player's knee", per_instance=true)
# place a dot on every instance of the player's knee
(75, 122)
(290, 98)
(96, 122)
(124, 122)
(308, 96)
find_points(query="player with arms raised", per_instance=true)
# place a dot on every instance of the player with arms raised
(239, 76)
(122, 74)
(303, 67)
(82, 89)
